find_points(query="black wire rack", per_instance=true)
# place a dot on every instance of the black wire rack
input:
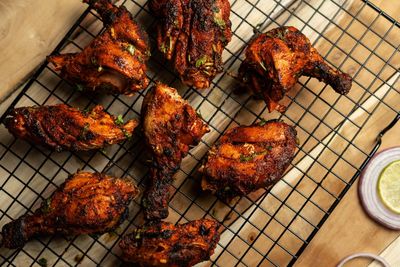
(338, 135)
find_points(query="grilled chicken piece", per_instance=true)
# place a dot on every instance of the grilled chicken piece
(276, 59)
(171, 127)
(164, 244)
(247, 158)
(62, 127)
(115, 61)
(86, 203)
(193, 34)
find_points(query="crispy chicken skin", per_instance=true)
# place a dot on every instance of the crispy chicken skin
(276, 59)
(86, 203)
(247, 158)
(171, 126)
(115, 61)
(61, 127)
(193, 34)
(165, 245)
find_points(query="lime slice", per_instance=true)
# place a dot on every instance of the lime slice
(389, 186)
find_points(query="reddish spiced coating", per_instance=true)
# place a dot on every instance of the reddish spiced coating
(86, 203)
(192, 34)
(276, 59)
(247, 158)
(61, 127)
(166, 245)
(115, 61)
(171, 126)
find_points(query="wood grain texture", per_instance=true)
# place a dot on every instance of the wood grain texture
(30, 30)
(349, 230)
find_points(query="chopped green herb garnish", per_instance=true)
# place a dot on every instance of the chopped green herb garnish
(127, 135)
(103, 151)
(137, 236)
(244, 158)
(215, 9)
(199, 114)
(131, 49)
(163, 48)
(148, 53)
(46, 205)
(94, 61)
(119, 120)
(220, 22)
(85, 129)
(42, 262)
(202, 60)
(262, 122)
(79, 87)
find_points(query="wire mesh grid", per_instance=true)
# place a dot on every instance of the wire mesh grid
(337, 136)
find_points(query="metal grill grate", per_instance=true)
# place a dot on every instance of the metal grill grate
(337, 136)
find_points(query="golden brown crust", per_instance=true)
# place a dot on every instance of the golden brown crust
(62, 127)
(115, 61)
(166, 245)
(276, 59)
(247, 158)
(193, 34)
(171, 126)
(86, 203)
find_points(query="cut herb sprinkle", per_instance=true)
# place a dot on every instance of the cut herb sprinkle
(131, 49)
(119, 120)
(202, 60)
(42, 262)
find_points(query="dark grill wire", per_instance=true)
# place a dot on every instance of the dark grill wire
(136, 154)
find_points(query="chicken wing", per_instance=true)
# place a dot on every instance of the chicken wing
(62, 127)
(115, 61)
(171, 126)
(86, 203)
(276, 59)
(247, 158)
(193, 34)
(164, 244)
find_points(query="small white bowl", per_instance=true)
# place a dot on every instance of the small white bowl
(368, 192)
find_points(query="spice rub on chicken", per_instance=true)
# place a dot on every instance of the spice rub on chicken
(247, 158)
(171, 127)
(166, 245)
(192, 34)
(115, 61)
(61, 127)
(86, 203)
(276, 59)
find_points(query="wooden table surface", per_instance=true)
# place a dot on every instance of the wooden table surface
(348, 229)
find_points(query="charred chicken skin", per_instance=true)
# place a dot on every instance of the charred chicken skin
(171, 126)
(247, 158)
(192, 34)
(61, 127)
(86, 203)
(276, 59)
(166, 245)
(115, 61)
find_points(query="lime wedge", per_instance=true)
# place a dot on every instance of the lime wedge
(389, 186)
